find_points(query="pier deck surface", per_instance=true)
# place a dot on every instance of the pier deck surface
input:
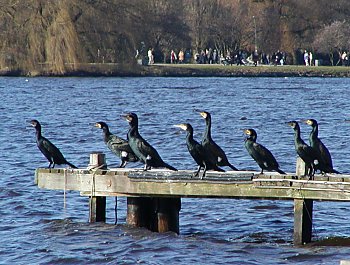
(233, 184)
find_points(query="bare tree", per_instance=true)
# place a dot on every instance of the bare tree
(197, 17)
(167, 29)
(333, 40)
(231, 28)
(222, 24)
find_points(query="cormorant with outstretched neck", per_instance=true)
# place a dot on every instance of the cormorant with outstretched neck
(49, 150)
(141, 148)
(306, 152)
(260, 153)
(209, 144)
(320, 148)
(119, 146)
(203, 159)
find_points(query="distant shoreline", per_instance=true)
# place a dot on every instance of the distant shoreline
(191, 70)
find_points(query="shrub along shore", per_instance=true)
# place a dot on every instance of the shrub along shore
(191, 70)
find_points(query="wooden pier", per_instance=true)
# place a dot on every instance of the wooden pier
(154, 197)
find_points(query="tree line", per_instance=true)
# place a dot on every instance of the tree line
(60, 35)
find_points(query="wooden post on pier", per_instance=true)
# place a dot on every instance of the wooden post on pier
(97, 203)
(302, 212)
(168, 214)
(139, 212)
(157, 214)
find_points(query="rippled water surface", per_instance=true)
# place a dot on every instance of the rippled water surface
(36, 229)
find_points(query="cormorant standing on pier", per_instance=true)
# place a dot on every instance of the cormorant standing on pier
(200, 155)
(260, 153)
(209, 144)
(49, 150)
(320, 148)
(141, 148)
(117, 145)
(306, 152)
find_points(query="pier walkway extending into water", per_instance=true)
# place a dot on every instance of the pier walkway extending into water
(154, 197)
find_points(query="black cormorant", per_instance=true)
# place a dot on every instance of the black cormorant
(49, 150)
(210, 145)
(320, 148)
(260, 153)
(200, 155)
(141, 148)
(306, 152)
(117, 145)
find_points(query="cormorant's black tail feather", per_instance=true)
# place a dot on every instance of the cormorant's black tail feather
(70, 164)
(335, 171)
(326, 169)
(169, 167)
(232, 167)
(218, 169)
(280, 171)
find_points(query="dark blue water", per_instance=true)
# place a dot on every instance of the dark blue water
(36, 229)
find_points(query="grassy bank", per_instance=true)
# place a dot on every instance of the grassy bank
(191, 70)
(246, 71)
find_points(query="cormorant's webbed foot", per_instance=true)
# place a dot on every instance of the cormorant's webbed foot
(123, 163)
(146, 167)
(196, 174)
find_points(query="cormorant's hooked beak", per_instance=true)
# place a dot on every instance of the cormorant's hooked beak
(97, 125)
(31, 123)
(246, 131)
(178, 132)
(290, 123)
(202, 113)
(246, 134)
(181, 126)
(127, 117)
(308, 122)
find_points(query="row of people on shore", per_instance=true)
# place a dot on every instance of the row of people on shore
(214, 56)
(255, 58)
(308, 58)
(345, 58)
(239, 57)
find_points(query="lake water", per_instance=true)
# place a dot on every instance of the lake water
(36, 229)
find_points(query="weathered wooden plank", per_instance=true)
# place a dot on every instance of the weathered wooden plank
(188, 176)
(303, 181)
(331, 186)
(116, 182)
